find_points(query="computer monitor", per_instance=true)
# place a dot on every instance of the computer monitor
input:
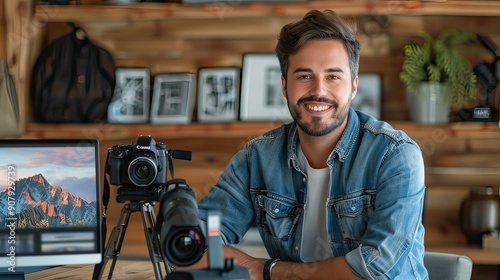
(49, 203)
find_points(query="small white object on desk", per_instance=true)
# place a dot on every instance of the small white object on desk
(492, 240)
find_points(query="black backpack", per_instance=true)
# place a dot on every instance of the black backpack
(73, 81)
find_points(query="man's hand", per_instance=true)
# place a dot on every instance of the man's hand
(254, 265)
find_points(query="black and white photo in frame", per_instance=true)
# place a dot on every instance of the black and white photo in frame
(369, 96)
(261, 90)
(218, 94)
(130, 102)
(173, 98)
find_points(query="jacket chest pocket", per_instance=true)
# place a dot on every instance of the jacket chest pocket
(353, 215)
(276, 217)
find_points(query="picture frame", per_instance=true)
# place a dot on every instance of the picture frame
(261, 90)
(218, 94)
(130, 102)
(369, 96)
(173, 98)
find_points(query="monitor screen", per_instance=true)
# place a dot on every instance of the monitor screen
(49, 203)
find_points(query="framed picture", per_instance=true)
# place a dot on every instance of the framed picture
(369, 96)
(130, 102)
(261, 91)
(173, 98)
(218, 94)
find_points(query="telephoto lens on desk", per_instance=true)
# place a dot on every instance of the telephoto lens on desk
(181, 238)
(218, 267)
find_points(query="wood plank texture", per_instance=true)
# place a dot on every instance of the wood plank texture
(260, 10)
(123, 270)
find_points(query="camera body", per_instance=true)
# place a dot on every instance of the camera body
(140, 164)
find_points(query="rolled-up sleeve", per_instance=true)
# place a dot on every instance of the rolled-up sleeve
(395, 228)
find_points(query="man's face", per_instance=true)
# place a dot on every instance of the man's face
(318, 86)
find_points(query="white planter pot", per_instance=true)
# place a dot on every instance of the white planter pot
(431, 105)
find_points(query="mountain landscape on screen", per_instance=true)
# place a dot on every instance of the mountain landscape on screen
(38, 204)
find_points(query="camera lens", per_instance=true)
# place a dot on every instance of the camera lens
(142, 171)
(185, 246)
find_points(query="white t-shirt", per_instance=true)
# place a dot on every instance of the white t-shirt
(315, 243)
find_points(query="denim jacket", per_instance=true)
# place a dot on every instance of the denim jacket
(374, 207)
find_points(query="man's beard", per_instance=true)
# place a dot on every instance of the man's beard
(319, 126)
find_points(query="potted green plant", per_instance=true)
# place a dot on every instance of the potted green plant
(436, 76)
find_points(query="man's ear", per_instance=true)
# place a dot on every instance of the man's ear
(355, 87)
(283, 86)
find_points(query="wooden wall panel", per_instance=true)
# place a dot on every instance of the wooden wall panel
(165, 45)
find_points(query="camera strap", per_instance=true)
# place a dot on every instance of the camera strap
(170, 164)
(105, 202)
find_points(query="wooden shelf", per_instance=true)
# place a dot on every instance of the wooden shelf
(483, 130)
(110, 131)
(478, 255)
(149, 11)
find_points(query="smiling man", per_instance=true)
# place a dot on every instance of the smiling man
(335, 194)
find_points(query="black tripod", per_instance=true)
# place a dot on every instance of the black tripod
(153, 241)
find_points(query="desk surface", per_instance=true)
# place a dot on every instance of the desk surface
(124, 269)
(143, 269)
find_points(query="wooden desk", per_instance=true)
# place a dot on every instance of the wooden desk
(124, 269)
(143, 269)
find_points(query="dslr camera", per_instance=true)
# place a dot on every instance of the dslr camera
(140, 169)
(140, 164)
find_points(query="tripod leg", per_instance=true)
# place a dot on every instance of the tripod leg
(115, 241)
(152, 239)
